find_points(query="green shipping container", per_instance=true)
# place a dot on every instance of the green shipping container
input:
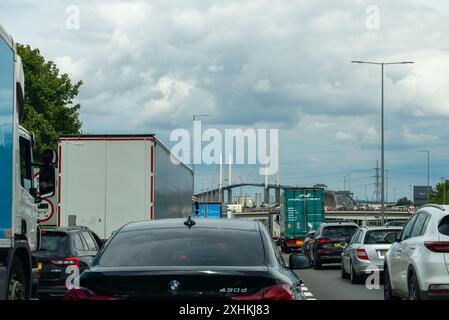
(302, 209)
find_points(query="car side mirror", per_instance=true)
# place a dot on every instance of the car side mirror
(391, 237)
(298, 262)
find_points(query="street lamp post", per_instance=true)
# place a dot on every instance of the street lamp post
(382, 196)
(194, 117)
(428, 173)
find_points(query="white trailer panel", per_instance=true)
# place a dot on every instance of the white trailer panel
(108, 181)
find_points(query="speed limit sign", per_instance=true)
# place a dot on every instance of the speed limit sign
(411, 209)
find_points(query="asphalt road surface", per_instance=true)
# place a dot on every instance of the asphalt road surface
(326, 284)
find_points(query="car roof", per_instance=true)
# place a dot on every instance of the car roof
(67, 229)
(434, 209)
(331, 224)
(382, 228)
(235, 224)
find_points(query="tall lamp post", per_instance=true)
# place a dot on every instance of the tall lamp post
(382, 197)
(443, 181)
(194, 117)
(428, 174)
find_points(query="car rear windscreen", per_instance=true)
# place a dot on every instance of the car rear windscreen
(378, 236)
(443, 226)
(53, 241)
(339, 231)
(184, 247)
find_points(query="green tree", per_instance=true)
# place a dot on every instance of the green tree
(440, 193)
(49, 108)
(403, 202)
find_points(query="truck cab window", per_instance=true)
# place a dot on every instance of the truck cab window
(26, 176)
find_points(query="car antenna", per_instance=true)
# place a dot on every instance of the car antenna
(189, 222)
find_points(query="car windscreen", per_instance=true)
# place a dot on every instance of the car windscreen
(378, 236)
(339, 231)
(184, 247)
(53, 241)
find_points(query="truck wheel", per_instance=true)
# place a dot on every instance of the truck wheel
(17, 284)
(284, 247)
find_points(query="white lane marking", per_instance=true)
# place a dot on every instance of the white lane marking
(308, 294)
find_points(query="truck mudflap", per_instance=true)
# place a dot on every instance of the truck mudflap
(3, 282)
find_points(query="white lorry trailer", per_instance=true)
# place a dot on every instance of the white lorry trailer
(19, 232)
(106, 181)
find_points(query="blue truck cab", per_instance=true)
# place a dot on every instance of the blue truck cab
(19, 232)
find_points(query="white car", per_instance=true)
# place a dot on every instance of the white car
(417, 264)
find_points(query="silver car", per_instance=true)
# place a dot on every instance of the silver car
(366, 252)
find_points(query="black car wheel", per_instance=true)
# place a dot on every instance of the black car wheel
(388, 291)
(317, 264)
(344, 274)
(413, 288)
(355, 278)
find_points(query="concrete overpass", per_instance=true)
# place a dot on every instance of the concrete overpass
(217, 195)
(331, 198)
(370, 216)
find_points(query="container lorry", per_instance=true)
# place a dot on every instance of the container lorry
(302, 210)
(19, 232)
(106, 181)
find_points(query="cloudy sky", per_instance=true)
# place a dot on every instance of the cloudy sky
(147, 66)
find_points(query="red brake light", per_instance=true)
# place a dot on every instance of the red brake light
(437, 246)
(277, 292)
(84, 294)
(320, 241)
(67, 262)
(361, 254)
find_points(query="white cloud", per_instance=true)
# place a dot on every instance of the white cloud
(345, 136)
(149, 65)
(262, 85)
(418, 138)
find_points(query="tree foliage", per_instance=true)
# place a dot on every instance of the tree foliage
(440, 193)
(49, 108)
(403, 202)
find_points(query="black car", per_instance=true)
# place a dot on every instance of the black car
(191, 259)
(59, 249)
(330, 241)
(306, 244)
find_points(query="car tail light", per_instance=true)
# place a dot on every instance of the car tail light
(361, 254)
(84, 294)
(437, 246)
(321, 241)
(277, 292)
(67, 262)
